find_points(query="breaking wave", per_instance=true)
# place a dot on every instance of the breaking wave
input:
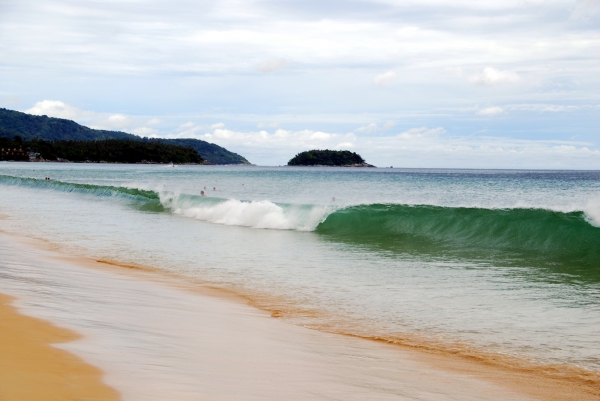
(534, 234)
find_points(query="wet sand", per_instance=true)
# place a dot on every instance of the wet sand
(31, 369)
(159, 337)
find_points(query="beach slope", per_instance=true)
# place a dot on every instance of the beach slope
(31, 369)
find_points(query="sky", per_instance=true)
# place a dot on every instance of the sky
(413, 83)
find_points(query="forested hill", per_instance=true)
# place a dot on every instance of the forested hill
(97, 151)
(339, 158)
(30, 127)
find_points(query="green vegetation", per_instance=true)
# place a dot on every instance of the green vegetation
(29, 127)
(108, 150)
(327, 158)
(209, 151)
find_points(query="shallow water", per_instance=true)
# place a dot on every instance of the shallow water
(157, 340)
(503, 261)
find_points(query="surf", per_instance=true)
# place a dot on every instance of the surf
(90, 189)
(537, 236)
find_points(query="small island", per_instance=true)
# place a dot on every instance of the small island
(333, 158)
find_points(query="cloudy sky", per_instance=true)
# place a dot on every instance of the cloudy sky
(408, 83)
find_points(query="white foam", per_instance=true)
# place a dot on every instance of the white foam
(269, 215)
(255, 214)
(592, 212)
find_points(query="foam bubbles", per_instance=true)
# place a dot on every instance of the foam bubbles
(256, 214)
(592, 212)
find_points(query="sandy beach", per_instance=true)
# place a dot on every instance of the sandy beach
(158, 338)
(31, 369)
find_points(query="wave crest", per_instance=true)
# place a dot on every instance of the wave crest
(255, 214)
(538, 236)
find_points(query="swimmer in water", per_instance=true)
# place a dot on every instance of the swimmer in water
(202, 193)
(214, 188)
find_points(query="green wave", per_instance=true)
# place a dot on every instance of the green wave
(566, 242)
(142, 199)
(510, 236)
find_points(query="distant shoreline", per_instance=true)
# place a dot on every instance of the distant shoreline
(206, 163)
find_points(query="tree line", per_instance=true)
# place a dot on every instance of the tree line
(29, 127)
(108, 150)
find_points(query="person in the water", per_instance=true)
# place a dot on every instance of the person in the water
(202, 193)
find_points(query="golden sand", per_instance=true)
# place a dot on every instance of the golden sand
(32, 370)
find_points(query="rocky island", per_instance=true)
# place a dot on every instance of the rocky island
(332, 158)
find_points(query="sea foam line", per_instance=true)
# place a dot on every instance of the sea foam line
(256, 214)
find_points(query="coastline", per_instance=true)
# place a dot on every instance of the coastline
(505, 381)
(523, 377)
(31, 368)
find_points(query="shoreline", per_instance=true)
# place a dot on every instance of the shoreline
(32, 368)
(539, 382)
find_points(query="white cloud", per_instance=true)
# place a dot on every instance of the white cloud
(267, 125)
(490, 111)
(369, 128)
(373, 127)
(199, 57)
(187, 125)
(384, 79)
(116, 122)
(553, 108)
(56, 108)
(422, 132)
(388, 125)
(92, 119)
(492, 77)
(585, 10)
(281, 139)
(272, 65)
(144, 131)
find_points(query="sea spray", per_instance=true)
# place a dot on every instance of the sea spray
(256, 214)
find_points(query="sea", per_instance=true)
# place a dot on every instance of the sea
(494, 263)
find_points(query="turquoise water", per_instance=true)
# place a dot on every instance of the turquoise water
(503, 261)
